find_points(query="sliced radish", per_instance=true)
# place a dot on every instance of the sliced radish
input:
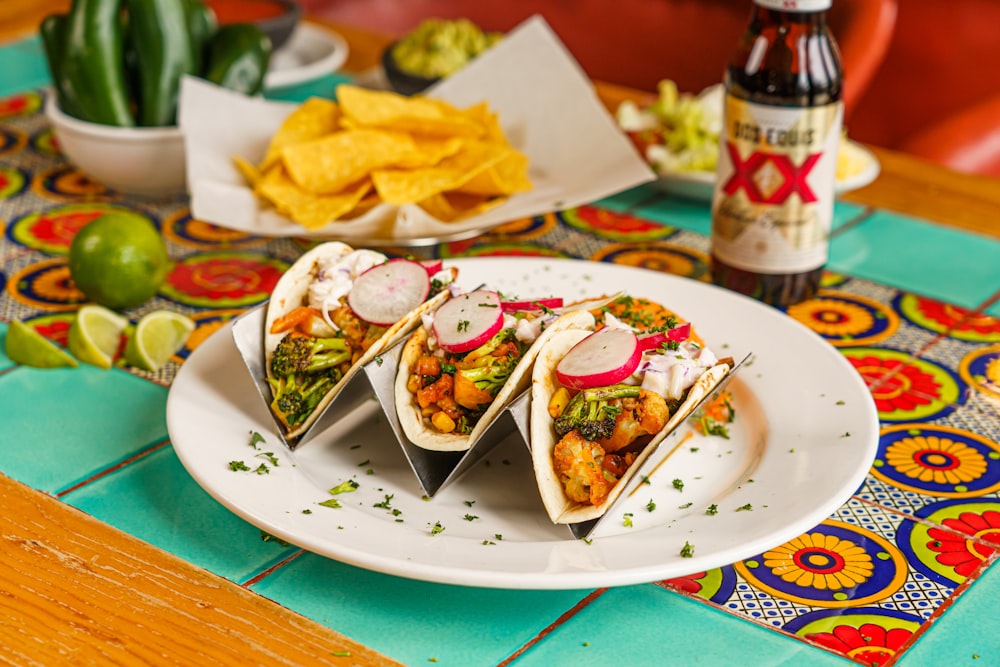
(678, 334)
(652, 341)
(384, 294)
(432, 265)
(603, 358)
(467, 321)
(531, 304)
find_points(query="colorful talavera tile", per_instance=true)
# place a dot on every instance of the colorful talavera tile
(834, 565)
(613, 225)
(52, 230)
(943, 318)
(524, 229)
(955, 539)
(868, 636)
(662, 256)
(65, 182)
(906, 388)
(223, 279)
(184, 230)
(937, 460)
(846, 319)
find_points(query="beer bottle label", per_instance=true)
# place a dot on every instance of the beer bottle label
(774, 189)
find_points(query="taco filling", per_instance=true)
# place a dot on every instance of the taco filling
(321, 339)
(454, 389)
(606, 411)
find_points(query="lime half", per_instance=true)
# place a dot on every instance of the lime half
(157, 337)
(95, 335)
(24, 345)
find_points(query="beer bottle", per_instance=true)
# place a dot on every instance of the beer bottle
(773, 199)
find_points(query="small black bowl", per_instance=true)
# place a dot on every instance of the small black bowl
(401, 81)
(280, 28)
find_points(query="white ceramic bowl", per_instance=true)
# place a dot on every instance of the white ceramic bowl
(146, 161)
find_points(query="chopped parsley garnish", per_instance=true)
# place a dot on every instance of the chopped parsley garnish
(627, 520)
(745, 508)
(385, 504)
(470, 503)
(255, 438)
(437, 528)
(650, 506)
(272, 459)
(237, 466)
(684, 506)
(331, 502)
(687, 551)
(712, 510)
(678, 484)
(470, 517)
(463, 325)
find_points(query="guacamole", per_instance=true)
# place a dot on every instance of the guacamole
(437, 48)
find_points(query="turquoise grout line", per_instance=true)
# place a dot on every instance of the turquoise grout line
(121, 464)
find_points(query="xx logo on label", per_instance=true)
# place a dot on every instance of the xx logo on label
(770, 179)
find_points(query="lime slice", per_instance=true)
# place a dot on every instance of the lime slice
(24, 345)
(95, 335)
(158, 336)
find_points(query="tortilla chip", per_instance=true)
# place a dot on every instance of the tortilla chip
(507, 176)
(422, 115)
(315, 118)
(310, 210)
(397, 186)
(329, 164)
(248, 169)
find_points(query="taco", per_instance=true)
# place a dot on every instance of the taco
(332, 312)
(601, 403)
(470, 359)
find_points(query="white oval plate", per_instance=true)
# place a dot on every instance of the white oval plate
(700, 185)
(311, 52)
(795, 404)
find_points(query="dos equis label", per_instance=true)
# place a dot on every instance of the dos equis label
(774, 189)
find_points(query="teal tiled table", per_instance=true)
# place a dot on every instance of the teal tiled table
(910, 303)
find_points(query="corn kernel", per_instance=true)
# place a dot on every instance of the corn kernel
(558, 402)
(443, 422)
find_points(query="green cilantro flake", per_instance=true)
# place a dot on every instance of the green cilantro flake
(650, 506)
(687, 551)
(678, 484)
(437, 528)
(255, 438)
(712, 510)
(332, 502)
(237, 466)
(627, 520)
(745, 508)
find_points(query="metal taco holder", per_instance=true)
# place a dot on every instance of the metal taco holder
(434, 469)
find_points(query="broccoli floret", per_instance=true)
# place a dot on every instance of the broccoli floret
(591, 412)
(297, 395)
(491, 376)
(298, 353)
(487, 372)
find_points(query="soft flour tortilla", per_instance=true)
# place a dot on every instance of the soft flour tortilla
(543, 437)
(408, 410)
(292, 291)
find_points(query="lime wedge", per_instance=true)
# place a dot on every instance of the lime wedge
(24, 345)
(158, 336)
(95, 335)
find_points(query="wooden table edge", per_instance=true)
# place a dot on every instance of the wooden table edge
(76, 587)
